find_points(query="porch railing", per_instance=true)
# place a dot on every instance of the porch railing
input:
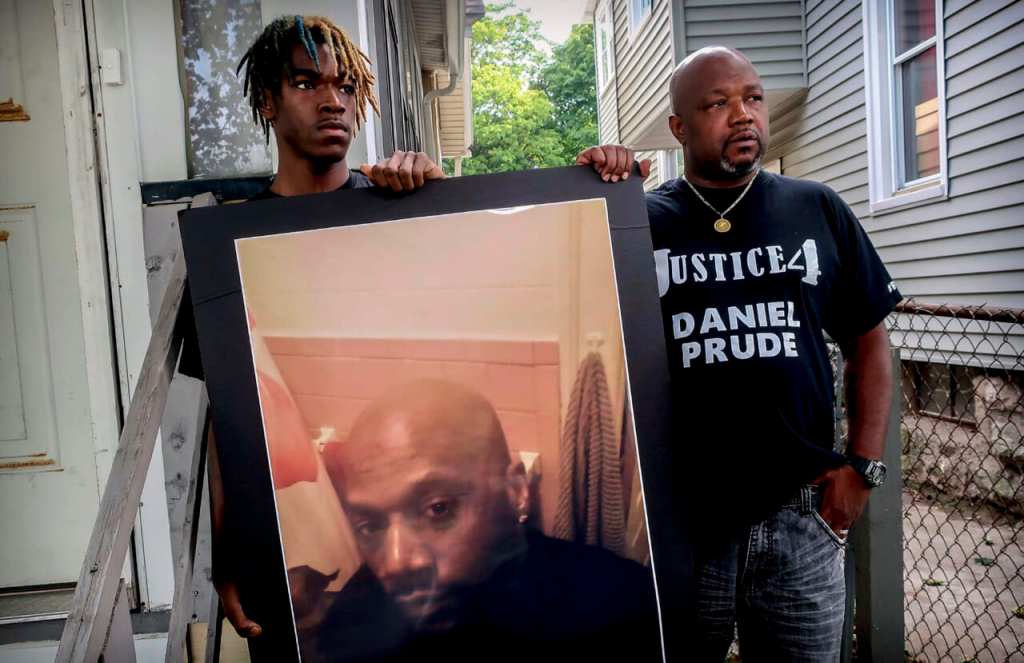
(98, 627)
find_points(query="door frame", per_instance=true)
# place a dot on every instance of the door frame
(88, 223)
(108, 303)
(104, 28)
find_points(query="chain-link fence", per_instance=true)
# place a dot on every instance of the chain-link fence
(963, 470)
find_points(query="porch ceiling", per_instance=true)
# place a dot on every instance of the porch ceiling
(431, 33)
(433, 25)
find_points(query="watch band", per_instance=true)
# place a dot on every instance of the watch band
(873, 471)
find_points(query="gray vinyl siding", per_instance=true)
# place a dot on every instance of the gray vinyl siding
(608, 116)
(770, 33)
(969, 248)
(824, 137)
(644, 63)
(653, 180)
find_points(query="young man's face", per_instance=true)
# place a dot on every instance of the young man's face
(314, 114)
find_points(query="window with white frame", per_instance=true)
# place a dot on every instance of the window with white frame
(223, 139)
(668, 165)
(638, 11)
(605, 49)
(906, 104)
(915, 88)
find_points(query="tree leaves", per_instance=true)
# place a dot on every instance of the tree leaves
(531, 108)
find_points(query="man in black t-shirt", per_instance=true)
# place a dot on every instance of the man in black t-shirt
(311, 85)
(753, 270)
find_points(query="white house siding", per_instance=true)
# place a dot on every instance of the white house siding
(429, 19)
(643, 66)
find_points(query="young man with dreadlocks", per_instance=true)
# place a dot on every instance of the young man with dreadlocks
(310, 84)
(306, 80)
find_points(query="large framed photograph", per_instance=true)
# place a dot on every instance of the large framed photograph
(441, 421)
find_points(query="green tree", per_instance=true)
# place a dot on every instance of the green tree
(507, 37)
(513, 125)
(569, 80)
(529, 106)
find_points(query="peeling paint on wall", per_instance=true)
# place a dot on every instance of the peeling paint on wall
(25, 463)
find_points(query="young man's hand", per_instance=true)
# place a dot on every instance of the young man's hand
(612, 162)
(404, 171)
(232, 605)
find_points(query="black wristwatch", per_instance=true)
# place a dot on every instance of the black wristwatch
(873, 471)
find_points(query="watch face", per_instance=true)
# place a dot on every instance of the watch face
(875, 473)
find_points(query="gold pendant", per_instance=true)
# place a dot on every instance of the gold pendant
(723, 225)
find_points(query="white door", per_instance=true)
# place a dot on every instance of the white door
(48, 478)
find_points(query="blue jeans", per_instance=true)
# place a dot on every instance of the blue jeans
(780, 582)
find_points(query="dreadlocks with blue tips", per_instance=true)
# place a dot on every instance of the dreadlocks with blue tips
(268, 62)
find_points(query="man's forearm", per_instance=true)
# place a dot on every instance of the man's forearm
(869, 385)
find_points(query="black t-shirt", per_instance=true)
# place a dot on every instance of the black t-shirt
(744, 314)
(559, 601)
(190, 363)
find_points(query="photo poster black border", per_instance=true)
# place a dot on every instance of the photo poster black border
(208, 240)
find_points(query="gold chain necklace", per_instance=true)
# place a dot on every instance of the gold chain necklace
(723, 225)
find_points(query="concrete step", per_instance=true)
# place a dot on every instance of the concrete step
(35, 604)
(36, 615)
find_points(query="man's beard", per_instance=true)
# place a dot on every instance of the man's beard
(733, 170)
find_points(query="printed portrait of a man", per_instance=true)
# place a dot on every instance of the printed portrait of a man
(448, 428)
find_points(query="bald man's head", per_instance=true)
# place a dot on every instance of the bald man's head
(718, 116)
(435, 417)
(692, 74)
(432, 494)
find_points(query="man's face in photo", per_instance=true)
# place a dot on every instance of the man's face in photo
(314, 112)
(429, 500)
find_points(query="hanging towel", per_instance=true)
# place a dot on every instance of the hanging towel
(590, 496)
